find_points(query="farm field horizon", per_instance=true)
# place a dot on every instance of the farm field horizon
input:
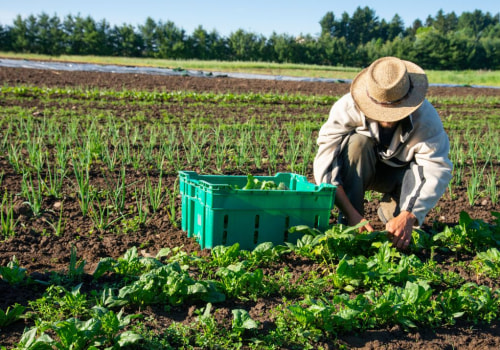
(89, 171)
(479, 78)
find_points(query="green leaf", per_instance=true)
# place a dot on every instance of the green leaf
(104, 265)
(242, 319)
(407, 322)
(263, 248)
(250, 183)
(464, 219)
(163, 252)
(28, 338)
(197, 288)
(349, 288)
(11, 315)
(128, 338)
(342, 267)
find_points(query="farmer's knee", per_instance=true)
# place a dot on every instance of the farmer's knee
(358, 161)
(360, 149)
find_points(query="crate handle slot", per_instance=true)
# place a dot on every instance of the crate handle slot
(224, 233)
(287, 226)
(256, 232)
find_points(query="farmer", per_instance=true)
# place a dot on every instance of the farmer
(385, 136)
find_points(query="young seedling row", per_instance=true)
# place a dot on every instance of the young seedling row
(82, 167)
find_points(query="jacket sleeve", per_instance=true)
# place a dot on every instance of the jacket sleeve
(342, 120)
(431, 172)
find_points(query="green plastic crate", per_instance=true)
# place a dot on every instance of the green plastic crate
(216, 213)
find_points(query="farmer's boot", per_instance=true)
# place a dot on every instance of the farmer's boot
(388, 208)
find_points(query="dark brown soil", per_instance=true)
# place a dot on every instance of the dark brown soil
(42, 254)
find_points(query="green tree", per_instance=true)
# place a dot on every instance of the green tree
(171, 40)
(246, 46)
(73, 34)
(5, 38)
(86, 37)
(491, 46)
(23, 34)
(126, 42)
(307, 50)
(204, 45)
(282, 48)
(395, 27)
(328, 24)
(401, 47)
(445, 22)
(49, 35)
(334, 51)
(343, 26)
(149, 38)
(412, 31)
(362, 26)
(102, 38)
(475, 23)
(431, 49)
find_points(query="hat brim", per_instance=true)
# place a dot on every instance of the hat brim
(391, 112)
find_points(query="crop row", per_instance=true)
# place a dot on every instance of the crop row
(112, 157)
(47, 146)
(360, 282)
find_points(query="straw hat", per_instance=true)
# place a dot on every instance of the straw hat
(390, 89)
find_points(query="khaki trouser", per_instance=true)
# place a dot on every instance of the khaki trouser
(362, 170)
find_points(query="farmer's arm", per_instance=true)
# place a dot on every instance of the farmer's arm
(352, 215)
(343, 120)
(431, 172)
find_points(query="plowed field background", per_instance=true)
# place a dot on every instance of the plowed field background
(42, 253)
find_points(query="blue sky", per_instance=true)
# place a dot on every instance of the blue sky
(226, 16)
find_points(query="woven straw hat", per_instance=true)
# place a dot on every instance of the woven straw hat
(390, 89)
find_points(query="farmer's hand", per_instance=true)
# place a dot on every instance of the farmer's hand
(355, 218)
(351, 214)
(400, 229)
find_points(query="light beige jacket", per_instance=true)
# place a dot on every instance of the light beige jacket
(422, 143)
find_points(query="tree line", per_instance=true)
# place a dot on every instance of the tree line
(444, 41)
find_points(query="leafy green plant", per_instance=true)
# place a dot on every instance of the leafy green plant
(58, 303)
(488, 262)
(166, 284)
(130, 265)
(242, 322)
(255, 184)
(111, 328)
(30, 341)
(470, 235)
(208, 333)
(238, 282)
(11, 315)
(13, 273)
(104, 329)
(265, 254)
(222, 256)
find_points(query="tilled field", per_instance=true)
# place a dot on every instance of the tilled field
(43, 254)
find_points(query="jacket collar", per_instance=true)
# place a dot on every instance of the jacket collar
(401, 135)
(402, 132)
